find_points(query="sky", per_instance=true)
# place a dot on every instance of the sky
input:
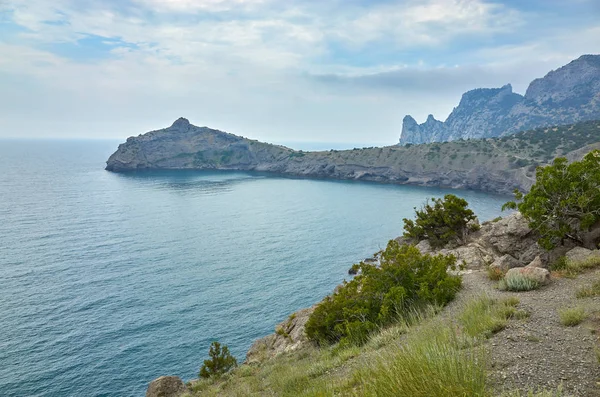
(273, 70)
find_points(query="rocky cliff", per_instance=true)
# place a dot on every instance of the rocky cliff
(493, 165)
(566, 95)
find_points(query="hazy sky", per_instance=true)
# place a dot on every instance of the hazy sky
(275, 70)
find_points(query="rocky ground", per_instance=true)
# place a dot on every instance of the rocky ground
(539, 352)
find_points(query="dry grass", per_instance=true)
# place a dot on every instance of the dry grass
(589, 291)
(572, 316)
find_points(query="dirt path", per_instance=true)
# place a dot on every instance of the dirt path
(539, 352)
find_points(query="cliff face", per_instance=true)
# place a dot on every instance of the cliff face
(495, 165)
(566, 95)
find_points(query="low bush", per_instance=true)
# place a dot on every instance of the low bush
(379, 295)
(517, 282)
(495, 273)
(572, 316)
(443, 221)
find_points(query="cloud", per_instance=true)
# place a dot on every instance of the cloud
(308, 70)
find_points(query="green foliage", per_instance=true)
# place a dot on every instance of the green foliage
(517, 282)
(381, 294)
(572, 316)
(220, 362)
(565, 200)
(445, 221)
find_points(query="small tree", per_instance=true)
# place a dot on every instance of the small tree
(564, 202)
(220, 361)
(445, 221)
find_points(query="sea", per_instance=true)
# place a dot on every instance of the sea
(108, 280)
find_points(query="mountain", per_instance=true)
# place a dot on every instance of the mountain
(564, 96)
(495, 165)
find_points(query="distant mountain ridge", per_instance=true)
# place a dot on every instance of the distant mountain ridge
(564, 96)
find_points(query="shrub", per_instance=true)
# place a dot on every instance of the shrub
(405, 279)
(571, 316)
(495, 273)
(220, 362)
(445, 221)
(589, 291)
(564, 202)
(517, 282)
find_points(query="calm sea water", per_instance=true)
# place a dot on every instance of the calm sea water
(108, 281)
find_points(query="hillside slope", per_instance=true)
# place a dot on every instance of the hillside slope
(495, 165)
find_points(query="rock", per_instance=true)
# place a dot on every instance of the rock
(510, 235)
(580, 254)
(472, 255)
(166, 386)
(505, 263)
(401, 240)
(538, 274)
(289, 336)
(537, 262)
(424, 247)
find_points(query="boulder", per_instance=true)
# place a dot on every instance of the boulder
(537, 262)
(404, 240)
(424, 247)
(538, 274)
(505, 263)
(166, 386)
(510, 235)
(289, 336)
(580, 254)
(473, 256)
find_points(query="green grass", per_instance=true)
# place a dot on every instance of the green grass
(485, 316)
(572, 268)
(517, 282)
(431, 363)
(572, 316)
(422, 355)
(589, 291)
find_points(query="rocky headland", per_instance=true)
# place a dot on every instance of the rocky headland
(567, 95)
(497, 165)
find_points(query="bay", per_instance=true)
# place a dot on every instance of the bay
(108, 281)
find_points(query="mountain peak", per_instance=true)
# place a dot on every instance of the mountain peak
(181, 124)
(566, 95)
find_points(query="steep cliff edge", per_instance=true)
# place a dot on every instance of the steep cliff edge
(567, 95)
(493, 165)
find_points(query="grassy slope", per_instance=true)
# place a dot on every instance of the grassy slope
(433, 357)
(433, 353)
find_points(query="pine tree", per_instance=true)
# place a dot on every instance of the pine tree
(220, 361)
